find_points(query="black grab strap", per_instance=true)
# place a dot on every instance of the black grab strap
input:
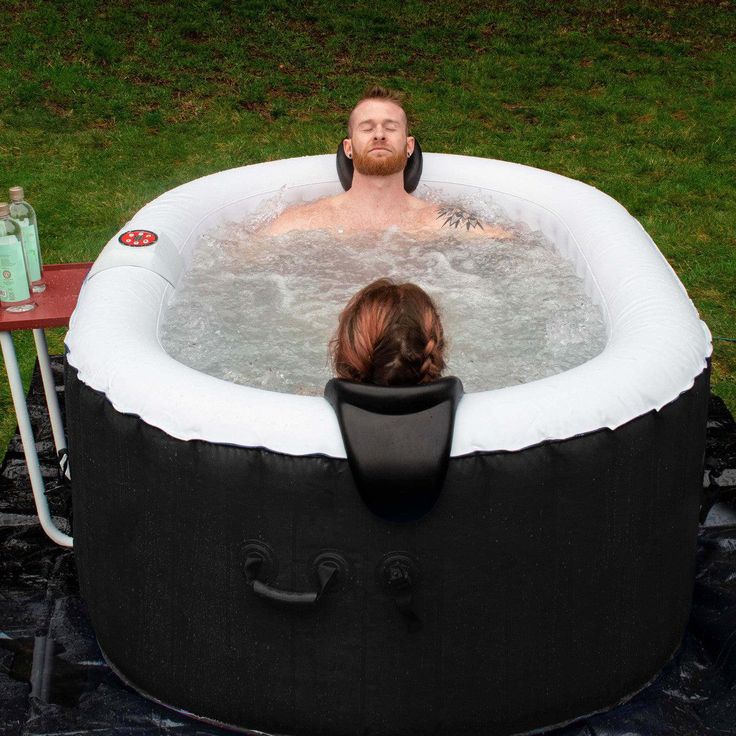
(398, 442)
(412, 171)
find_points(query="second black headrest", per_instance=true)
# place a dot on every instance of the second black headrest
(397, 441)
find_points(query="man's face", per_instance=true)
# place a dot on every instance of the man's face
(378, 143)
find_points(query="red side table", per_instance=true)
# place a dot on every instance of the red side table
(55, 305)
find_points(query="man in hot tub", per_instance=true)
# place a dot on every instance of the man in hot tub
(379, 145)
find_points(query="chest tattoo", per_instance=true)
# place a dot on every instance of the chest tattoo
(457, 217)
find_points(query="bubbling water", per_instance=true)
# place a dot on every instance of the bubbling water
(260, 310)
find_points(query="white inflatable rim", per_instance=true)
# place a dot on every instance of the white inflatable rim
(656, 343)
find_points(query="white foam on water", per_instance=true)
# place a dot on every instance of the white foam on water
(260, 310)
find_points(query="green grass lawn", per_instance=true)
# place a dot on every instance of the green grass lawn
(105, 106)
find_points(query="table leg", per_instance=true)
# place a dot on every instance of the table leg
(52, 400)
(29, 443)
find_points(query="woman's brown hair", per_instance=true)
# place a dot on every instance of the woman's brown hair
(389, 334)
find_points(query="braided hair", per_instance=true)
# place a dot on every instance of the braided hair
(390, 335)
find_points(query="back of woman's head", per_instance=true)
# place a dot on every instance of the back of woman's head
(390, 335)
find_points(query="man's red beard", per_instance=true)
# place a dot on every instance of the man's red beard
(379, 165)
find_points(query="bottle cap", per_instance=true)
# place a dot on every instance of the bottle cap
(16, 194)
(4, 209)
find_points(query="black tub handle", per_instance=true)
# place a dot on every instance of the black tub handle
(293, 598)
(328, 567)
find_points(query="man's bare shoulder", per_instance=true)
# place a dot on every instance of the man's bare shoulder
(457, 219)
(316, 215)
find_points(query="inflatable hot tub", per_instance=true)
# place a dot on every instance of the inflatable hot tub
(235, 569)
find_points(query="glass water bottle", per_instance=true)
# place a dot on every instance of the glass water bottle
(22, 211)
(15, 285)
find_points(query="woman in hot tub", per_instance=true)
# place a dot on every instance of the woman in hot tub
(389, 334)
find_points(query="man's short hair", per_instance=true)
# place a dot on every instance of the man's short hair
(376, 92)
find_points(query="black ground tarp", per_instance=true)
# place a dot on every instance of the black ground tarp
(53, 679)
